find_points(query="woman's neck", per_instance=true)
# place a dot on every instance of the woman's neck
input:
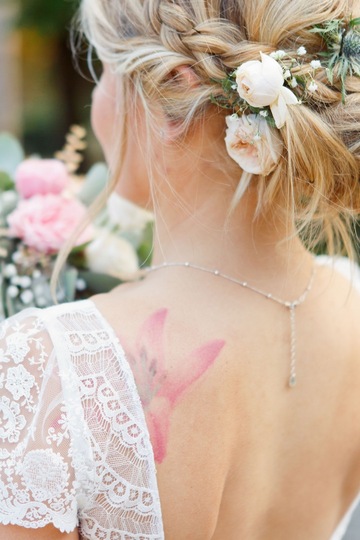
(192, 186)
(264, 250)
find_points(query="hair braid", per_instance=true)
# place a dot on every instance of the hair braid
(148, 40)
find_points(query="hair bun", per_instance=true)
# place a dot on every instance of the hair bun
(319, 167)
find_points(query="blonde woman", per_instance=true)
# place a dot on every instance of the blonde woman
(217, 397)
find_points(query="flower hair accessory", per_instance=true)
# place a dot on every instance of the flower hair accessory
(259, 93)
(252, 143)
(268, 86)
(261, 84)
(342, 55)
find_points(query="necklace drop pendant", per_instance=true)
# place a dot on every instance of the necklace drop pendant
(291, 306)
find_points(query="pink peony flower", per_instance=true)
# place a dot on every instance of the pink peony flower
(45, 222)
(41, 176)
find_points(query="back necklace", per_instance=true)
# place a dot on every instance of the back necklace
(289, 305)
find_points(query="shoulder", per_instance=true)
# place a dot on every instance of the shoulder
(25, 353)
(70, 403)
(339, 292)
(17, 332)
(341, 266)
(34, 326)
(33, 338)
(37, 479)
(339, 288)
(334, 315)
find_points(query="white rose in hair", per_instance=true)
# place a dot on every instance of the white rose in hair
(253, 144)
(261, 84)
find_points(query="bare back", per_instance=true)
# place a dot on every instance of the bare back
(239, 454)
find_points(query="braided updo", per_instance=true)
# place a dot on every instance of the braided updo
(146, 41)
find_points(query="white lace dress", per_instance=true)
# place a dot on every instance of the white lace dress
(74, 447)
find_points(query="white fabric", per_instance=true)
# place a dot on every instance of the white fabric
(74, 446)
(343, 526)
(75, 449)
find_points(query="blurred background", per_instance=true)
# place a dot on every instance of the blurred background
(42, 92)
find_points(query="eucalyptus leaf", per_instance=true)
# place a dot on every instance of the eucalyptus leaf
(8, 202)
(11, 153)
(6, 182)
(95, 182)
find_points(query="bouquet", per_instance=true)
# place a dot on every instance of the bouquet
(42, 201)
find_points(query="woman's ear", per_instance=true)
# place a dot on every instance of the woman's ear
(186, 78)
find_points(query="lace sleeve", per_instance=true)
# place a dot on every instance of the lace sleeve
(124, 503)
(38, 483)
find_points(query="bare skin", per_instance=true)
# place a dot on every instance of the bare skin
(239, 454)
(247, 457)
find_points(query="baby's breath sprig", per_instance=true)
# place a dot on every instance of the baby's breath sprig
(342, 54)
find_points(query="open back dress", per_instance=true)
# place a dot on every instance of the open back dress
(74, 447)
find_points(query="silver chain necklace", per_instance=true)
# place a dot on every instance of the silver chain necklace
(289, 305)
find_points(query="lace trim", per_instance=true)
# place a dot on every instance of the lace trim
(36, 487)
(77, 447)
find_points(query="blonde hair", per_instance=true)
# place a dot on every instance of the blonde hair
(146, 41)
